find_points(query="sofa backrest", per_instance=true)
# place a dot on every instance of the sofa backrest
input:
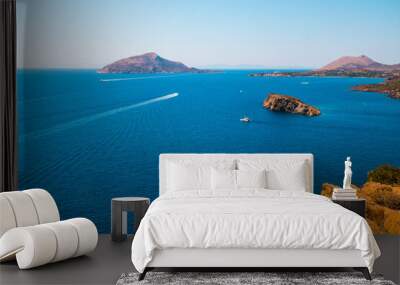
(26, 208)
(209, 159)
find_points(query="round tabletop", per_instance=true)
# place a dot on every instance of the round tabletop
(130, 199)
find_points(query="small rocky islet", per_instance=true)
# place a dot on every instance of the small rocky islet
(288, 104)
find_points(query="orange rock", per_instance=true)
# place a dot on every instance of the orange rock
(289, 104)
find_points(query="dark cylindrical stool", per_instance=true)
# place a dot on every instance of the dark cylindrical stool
(119, 208)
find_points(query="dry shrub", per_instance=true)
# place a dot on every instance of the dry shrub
(396, 189)
(386, 174)
(384, 195)
(379, 195)
(392, 222)
(327, 190)
(376, 214)
(382, 199)
(392, 201)
(376, 228)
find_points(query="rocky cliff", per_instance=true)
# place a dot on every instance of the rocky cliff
(289, 104)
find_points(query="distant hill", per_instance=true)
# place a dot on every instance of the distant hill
(147, 63)
(362, 62)
(346, 66)
(353, 66)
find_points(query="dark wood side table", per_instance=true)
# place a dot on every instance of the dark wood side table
(356, 205)
(119, 208)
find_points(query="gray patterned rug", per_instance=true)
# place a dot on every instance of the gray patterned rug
(268, 278)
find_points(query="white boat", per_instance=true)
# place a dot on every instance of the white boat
(245, 119)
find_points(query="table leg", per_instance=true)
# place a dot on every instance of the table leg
(124, 222)
(116, 222)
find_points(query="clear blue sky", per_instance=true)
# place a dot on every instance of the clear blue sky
(291, 33)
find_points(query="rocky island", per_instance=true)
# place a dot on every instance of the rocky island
(353, 66)
(148, 63)
(390, 87)
(289, 104)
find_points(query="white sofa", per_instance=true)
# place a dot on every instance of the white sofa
(31, 231)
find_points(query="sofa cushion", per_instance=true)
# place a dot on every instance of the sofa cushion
(23, 208)
(7, 220)
(45, 205)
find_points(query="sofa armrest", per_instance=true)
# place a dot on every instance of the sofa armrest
(32, 246)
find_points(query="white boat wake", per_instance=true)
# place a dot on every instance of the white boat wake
(91, 118)
(138, 78)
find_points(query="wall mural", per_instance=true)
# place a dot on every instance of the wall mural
(104, 87)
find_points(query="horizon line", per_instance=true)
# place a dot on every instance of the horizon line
(204, 68)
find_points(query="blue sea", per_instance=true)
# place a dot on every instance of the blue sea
(88, 137)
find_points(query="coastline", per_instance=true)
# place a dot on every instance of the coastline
(390, 85)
